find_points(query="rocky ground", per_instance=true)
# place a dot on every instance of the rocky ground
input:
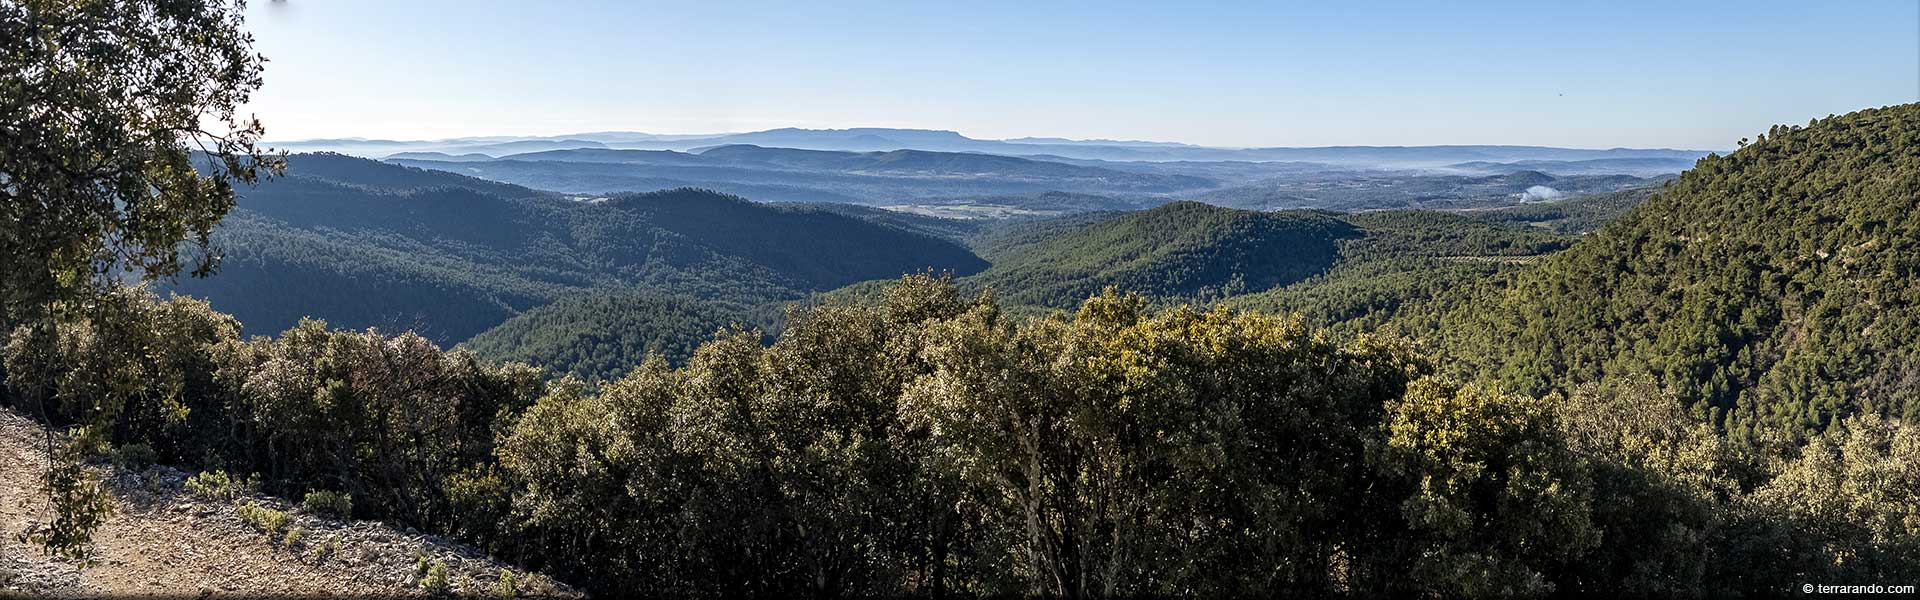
(164, 541)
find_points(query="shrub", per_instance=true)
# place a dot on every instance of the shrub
(435, 580)
(266, 520)
(134, 457)
(80, 500)
(212, 485)
(327, 550)
(294, 537)
(507, 586)
(332, 504)
(217, 485)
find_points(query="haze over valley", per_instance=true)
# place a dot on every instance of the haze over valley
(942, 173)
(1209, 300)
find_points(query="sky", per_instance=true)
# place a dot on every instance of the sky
(1671, 74)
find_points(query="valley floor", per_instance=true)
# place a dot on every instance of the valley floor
(163, 541)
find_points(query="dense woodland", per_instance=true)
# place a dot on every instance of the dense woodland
(1577, 216)
(1709, 394)
(1340, 431)
(1770, 288)
(365, 244)
(599, 335)
(1402, 266)
(1184, 249)
(930, 444)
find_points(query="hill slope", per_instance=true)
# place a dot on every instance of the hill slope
(1403, 268)
(1179, 250)
(164, 542)
(1776, 285)
(601, 334)
(1577, 215)
(363, 244)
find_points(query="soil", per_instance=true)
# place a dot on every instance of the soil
(163, 541)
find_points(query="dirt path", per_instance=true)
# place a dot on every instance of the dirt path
(162, 541)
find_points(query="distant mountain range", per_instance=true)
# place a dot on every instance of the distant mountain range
(1642, 166)
(874, 139)
(987, 185)
(796, 175)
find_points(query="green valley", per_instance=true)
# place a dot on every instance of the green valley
(751, 359)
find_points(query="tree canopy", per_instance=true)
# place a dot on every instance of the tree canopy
(1772, 288)
(926, 442)
(122, 140)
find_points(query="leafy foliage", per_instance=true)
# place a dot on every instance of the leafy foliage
(916, 439)
(100, 102)
(507, 586)
(332, 504)
(80, 501)
(266, 520)
(1126, 453)
(1852, 494)
(215, 485)
(134, 457)
(925, 442)
(295, 539)
(434, 579)
(1493, 497)
(1770, 288)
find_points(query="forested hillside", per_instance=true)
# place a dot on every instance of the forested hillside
(1770, 288)
(1403, 268)
(363, 244)
(922, 439)
(927, 443)
(1180, 250)
(1359, 191)
(599, 335)
(1577, 216)
(1706, 389)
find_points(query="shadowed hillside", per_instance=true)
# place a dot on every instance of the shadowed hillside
(363, 244)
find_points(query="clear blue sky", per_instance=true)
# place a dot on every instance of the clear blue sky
(1579, 74)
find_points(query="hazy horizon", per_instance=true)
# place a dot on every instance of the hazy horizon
(1035, 139)
(1636, 75)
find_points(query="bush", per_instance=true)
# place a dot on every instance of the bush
(294, 538)
(334, 504)
(435, 580)
(327, 550)
(507, 586)
(210, 485)
(266, 520)
(217, 485)
(134, 457)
